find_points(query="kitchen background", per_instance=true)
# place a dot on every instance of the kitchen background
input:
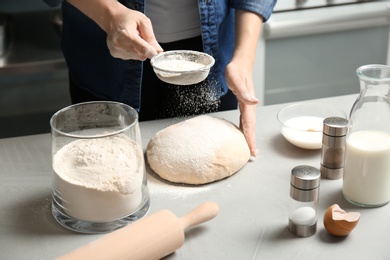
(308, 49)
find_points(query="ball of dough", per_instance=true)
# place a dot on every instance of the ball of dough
(199, 150)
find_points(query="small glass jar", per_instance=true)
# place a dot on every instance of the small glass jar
(304, 194)
(366, 180)
(99, 180)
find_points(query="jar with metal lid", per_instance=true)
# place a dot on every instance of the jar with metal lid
(304, 194)
(333, 147)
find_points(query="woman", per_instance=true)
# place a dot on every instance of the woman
(107, 44)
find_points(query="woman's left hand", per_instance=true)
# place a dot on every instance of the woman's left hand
(239, 72)
(240, 82)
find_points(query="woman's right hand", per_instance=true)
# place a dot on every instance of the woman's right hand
(130, 36)
(129, 32)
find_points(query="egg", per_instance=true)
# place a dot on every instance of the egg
(338, 222)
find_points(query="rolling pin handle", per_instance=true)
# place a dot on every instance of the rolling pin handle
(200, 214)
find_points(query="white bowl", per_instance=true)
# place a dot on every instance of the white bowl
(182, 67)
(302, 123)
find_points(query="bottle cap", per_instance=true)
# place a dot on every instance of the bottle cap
(332, 174)
(302, 230)
(305, 177)
(335, 126)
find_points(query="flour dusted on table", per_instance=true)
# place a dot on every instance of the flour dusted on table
(99, 179)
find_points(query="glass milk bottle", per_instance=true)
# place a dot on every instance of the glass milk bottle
(366, 180)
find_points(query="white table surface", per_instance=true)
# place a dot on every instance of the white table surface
(252, 223)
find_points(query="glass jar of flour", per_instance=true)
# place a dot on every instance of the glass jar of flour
(99, 181)
(366, 179)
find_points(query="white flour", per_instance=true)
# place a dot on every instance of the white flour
(179, 65)
(99, 179)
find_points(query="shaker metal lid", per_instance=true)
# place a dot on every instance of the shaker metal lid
(335, 126)
(332, 174)
(305, 177)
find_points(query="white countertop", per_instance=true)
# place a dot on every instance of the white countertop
(253, 218)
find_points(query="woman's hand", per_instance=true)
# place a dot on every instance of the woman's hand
(129, 32)
(239, 80)
(130, 36)
(239, 72)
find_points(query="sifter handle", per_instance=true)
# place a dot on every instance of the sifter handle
(200, 214)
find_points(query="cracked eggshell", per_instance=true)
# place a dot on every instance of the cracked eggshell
(338, 222)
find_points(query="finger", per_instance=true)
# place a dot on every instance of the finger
(146, 33)
(129, 54)
(130, 47)
(248, 125)
(244, 91)
(142, 47)
(246, 98)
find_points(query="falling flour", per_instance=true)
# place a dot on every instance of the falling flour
(185, 101)
(99, 179)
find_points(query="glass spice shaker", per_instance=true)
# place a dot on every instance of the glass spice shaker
(304, 194)
(366, 180)
(333, 147)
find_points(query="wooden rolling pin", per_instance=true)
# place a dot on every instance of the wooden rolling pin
(152, 237)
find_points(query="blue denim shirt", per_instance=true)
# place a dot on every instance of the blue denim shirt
(93, 68)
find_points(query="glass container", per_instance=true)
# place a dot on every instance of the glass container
(302, 123)
(366, 180)
(98, 182)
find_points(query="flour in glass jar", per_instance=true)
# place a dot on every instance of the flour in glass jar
(99, 179)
